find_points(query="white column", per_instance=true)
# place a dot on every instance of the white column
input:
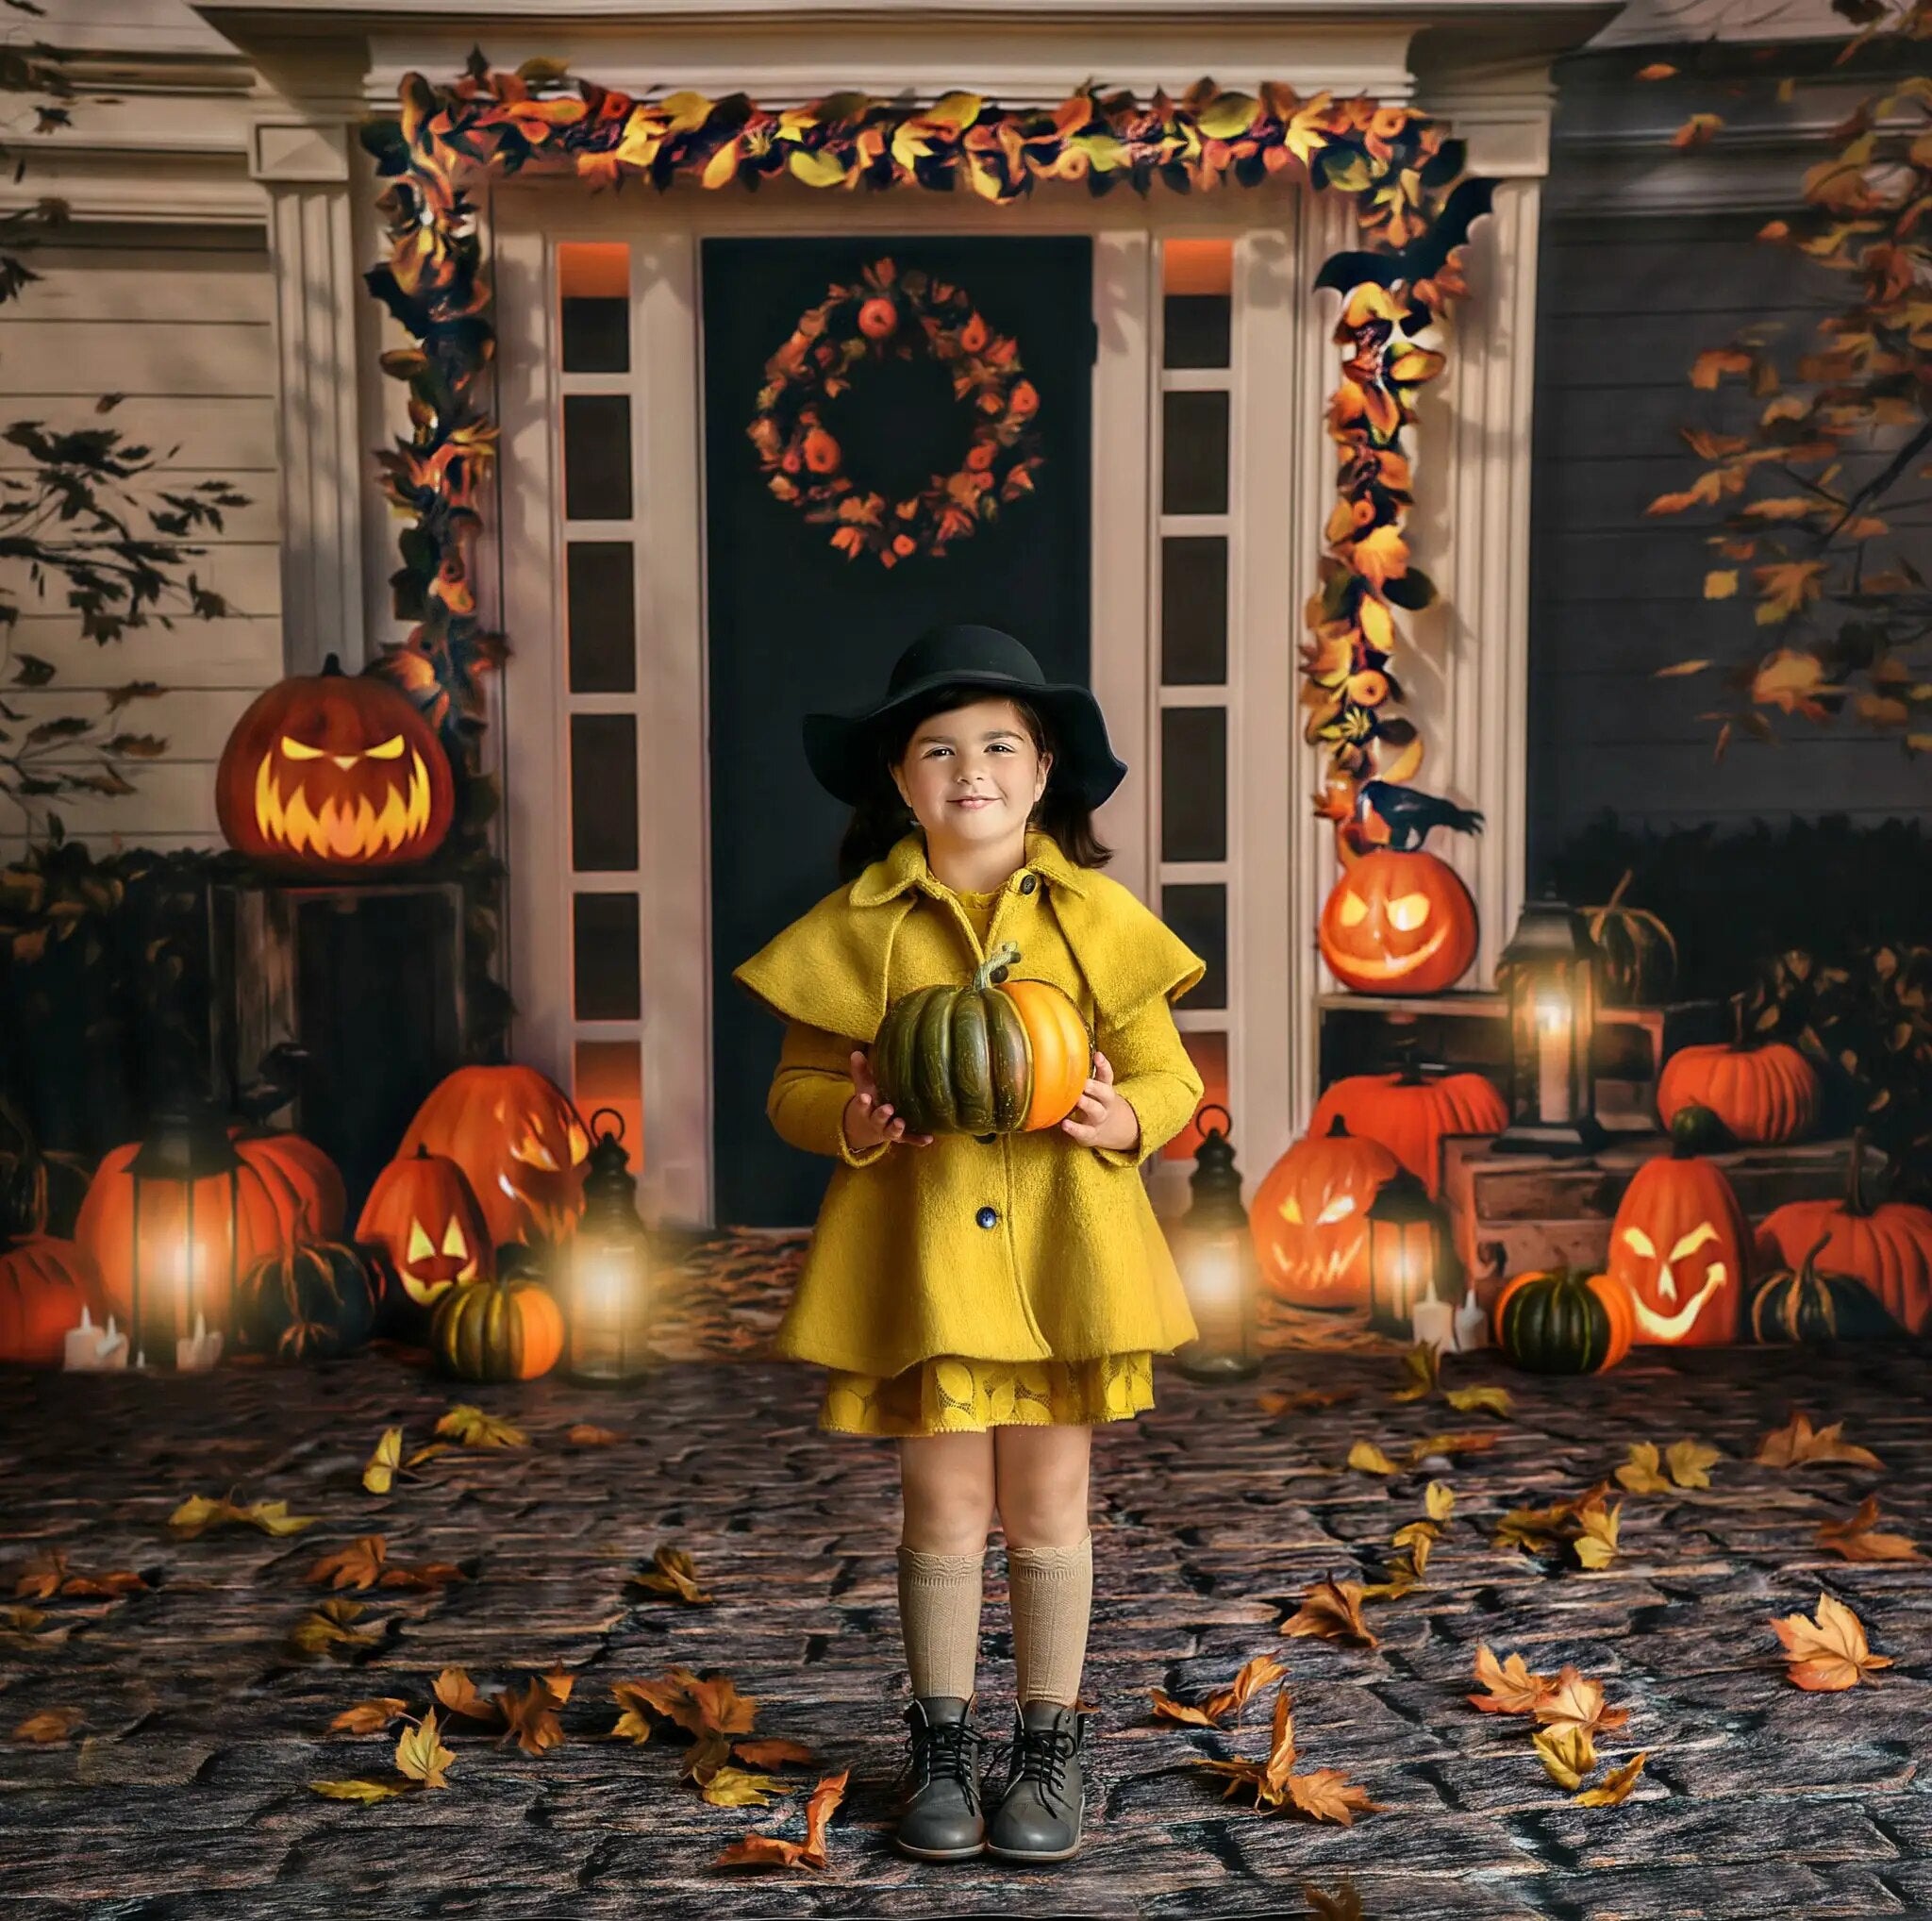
(305, 169)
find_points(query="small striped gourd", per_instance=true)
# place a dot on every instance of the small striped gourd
(1565, 1321)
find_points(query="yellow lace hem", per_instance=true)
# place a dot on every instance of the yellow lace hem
(948, 1394)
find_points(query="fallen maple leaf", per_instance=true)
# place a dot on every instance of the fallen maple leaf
(46, 1579)
(585, 1435)
(1439, 1499)
(1421, 1371)
(380, 1473)
(530, 1717)
(199, 1513)
(1642, 1473)
(1443, 1446)
(368, 1717)
(422, 1574)
(1276, 1402)
(1854, 1539)
(358, 1566)
(1795, 1444)
(360, 1790)
(1595, 1544)
(1331, 1610)
(1829, 1654)
(454, 1688)
(1488, 1400)
(1343, 1905)
(1329, 1795)
(50, 1723)
(773, 1752)
(29, 1627)
(1366, 1457)
(1568, 1752)
(1615, 1786)
(473, 1428)
(1690, 1462)
(1512, 1688)
(736, 1787)
(421, 1755)
(1254, 1673)
(327, 1628)
(1574, 1699)
(761, 1850)
(674, 1573)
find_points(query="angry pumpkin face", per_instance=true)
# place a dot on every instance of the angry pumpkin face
(1310, 1218)
(518, 1139)
(1399, 923)
(334, 773)
(424, 1215)
(1680, 1243)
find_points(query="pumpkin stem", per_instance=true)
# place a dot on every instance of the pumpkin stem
(1806, 1269)
(992, 970)
(1338, 1128)
(332, 665)
(1855, 1203)
(1407, 1073)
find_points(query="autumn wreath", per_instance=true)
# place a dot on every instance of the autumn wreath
(886, 314)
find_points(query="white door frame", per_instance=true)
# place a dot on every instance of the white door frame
(1278, 457)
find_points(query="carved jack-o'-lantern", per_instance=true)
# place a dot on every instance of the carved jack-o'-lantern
(1680, 1243)
(424, 1215)
(1399, 923)
(334, 773)
(1310, 1218)
(516, 1136)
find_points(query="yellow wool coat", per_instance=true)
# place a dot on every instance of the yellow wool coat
(1029, 1247)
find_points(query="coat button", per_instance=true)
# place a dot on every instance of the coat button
(1028, 882)
(987, 1217)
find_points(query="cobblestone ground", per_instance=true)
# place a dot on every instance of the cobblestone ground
(184, 1790)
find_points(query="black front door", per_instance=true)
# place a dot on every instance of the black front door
(795, 625)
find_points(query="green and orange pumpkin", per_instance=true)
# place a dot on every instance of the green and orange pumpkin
(509, 1328)
(1564, 1321)
(1813, 1308)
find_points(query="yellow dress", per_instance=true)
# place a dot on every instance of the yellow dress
(950, 1393)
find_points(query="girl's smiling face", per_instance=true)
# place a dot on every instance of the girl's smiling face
(973, 773)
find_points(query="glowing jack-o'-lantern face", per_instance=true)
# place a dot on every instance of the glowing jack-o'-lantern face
(1398, 923)
(334, 773)
(1680, 1243)
(516, 1136)
(1309, 1218)
(424, 1215)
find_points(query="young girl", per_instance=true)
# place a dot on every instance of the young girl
(982, 1299)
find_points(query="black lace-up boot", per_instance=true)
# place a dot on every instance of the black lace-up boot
(941, 1818)
(1039, 1812)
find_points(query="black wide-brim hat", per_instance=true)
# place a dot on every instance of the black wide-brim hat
(842, 748)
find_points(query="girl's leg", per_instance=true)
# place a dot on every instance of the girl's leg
(1040, 1490)
(946, 1486)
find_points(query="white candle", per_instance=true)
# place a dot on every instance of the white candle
(1553, 1060)
(199, 1350)
(1434, 1322)
(91, 1349)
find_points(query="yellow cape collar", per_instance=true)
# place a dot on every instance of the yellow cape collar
(905, 868)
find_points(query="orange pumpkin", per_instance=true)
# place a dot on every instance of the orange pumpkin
(45, 1282)
(1681, 1245)
(1309, 1217)
(1887, 1247)
(333, 772)
(1408, 1113)
(510, 1328)
(1398, 922)
(424, 1215)
(520, 1141)
(1769, 1092)
(284, 1183)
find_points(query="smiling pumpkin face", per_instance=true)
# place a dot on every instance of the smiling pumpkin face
(334, 773)
(1399, 923)
(1680, 1243)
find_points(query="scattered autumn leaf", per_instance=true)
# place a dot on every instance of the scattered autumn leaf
(1795, 1444)
(1486, 1401)
(1276, 1402)
(1566, 1752)
(1615, 1786)
(454, 1688)
(1422, 1372)
(50, 1723)
(1439, 1499)
(359, 1790)
(1690, 1462)
(29, 1627)
(585, 1435)
(1329, 1795)
(736, 1787)
(199, 1513)
(674, 1571)
(46, 1578)
(358, 1566)
(1698, 129)
(1512, 1688)
(530, 1717)
(421, 1755)
(328, 1628)
(379, 1474)
(1255, 1673)
(1854, 1540)
(1830, 1653)
(1433, 1446)
(471, 1426)
(1366, 1457)
(1595, 1541)
(368, 1717)
(774, 1753)
(1573, 1699)
(1658, 70)
(773, 1851)
(1642, 1473)
(1331, 1610)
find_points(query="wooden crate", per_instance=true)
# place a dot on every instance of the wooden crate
(1513, 1212)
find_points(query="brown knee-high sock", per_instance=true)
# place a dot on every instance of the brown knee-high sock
(939, 1615)
(1052, 1591)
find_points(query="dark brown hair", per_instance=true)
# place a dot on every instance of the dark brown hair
(882, 819)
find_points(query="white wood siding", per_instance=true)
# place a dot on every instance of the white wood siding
(184, 331)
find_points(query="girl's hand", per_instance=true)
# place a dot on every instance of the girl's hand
(1101, 1118)
(869, 1120)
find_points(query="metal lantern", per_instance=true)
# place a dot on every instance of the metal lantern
(1215, 1254)
(1413, 1258)
(185, 1234)
(1552, 982)
(607, 1268)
